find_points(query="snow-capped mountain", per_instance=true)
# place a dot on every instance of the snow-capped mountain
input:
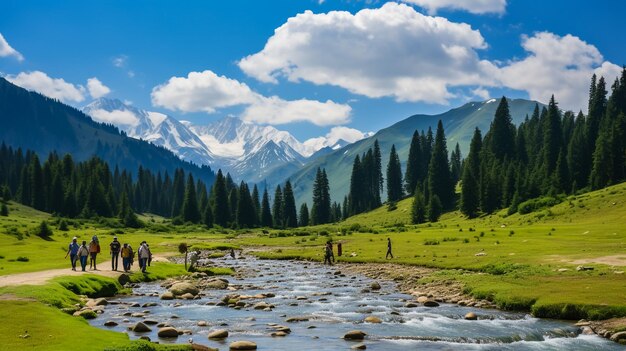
(155, 127)
(246, 150)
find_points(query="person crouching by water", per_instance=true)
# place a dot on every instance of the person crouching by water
(73, 252)
(94, 250)
(83, 253)
(127, 256)
(144, 256)
(115, 253)
(328, 253)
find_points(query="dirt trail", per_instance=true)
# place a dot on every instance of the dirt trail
(41, 277)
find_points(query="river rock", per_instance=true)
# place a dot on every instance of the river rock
(372, 319)
(375, 286)
(354, 335)
(262, 306)
(431, 303)
(216, 284)
(187, 296)
(168, 332)
(618, 337)
(360, 346)
(422, 299)
(242, 345)
(97, 302)
(278, 333)
(167, 296)
(123, 279)
(184, 288)
(202, 323)
(141, 328)
(218, 334)
(410, 305)
(471, 316)
(198, 347)
(298, 319)
(110, 323)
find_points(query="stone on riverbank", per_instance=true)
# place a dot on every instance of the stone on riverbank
(168, 295)
(360, 346)
(168, 332)
(110, 324)
(141, 328)
(375, 286)
(431, 303)
(354, 335)
(242, 345)
(216, 284)
(218, 334)
(182, 288)
(619, 337)
(372, 319)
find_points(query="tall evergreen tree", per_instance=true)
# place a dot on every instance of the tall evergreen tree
(455, 164)
(439, 182)
(178, 195)
(245, 207)
(320, 211)
(470, 200)
(190, 211)
(257, 205)
(418, 211)
(289, 207)
(552, 137)
(414, 164)
(221, 209)
(266, 214)
(501, 135)
(207, 217)
(394, 177)
(277, 208)
(303, 220)
(37, 192)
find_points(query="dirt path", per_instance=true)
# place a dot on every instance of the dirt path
(41, 277)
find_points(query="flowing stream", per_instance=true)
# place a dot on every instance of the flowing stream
(334, 304)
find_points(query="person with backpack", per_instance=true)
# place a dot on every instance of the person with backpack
(126, 254)
(94, 250)
(73, 251)
(83, 253)
(144, 255)
(115, 247)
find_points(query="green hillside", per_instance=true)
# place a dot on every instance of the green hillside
(459, 124)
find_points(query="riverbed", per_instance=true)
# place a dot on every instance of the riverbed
(329, 303)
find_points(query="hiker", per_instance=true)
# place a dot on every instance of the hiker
(332, 253)
(328, 253)
(73, 251)
(149, 255)
(83, 253)
(132, 256)
(144, 255)
(115, 247)
(388, 249)
(232, 253)
(94, 250)
(126, 254)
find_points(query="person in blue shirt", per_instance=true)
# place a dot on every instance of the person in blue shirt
(73, 252)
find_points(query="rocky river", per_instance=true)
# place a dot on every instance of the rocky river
(290, 305)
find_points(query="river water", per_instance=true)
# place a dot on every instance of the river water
(334, 305)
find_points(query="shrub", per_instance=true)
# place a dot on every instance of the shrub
(4, 210)
(537, 204)
(22, 259)
(43, 231)
(431, 242)
(63, 225)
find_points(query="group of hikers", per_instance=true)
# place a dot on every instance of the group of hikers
(329, 256)
(82, 252)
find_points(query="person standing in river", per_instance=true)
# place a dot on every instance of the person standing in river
(328, 252)
(94, 250)
(388, 249)
(115, 247)
(73, 252)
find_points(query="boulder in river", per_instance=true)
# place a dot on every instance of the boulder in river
(168, 332)
(372, 319)
(471, 316)
(360, 346)
(618, 337)
(110, 323)
(354, 335)
(168, 295)
(141, 328)
(375, 286)
(187, 296)
(216, 284)
(242, 345)
(431, 303)
(218, 334)
(184, 288)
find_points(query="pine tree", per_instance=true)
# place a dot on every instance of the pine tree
(190, 211)
(320, 212)
(357, 190)
(277, 208)
(434, 208)
(37, 192)
(394, 177)
(233, 203)
(207, 218)
(414, 164)
(257, 205)
(455, 164)
(418, 213)
(289, 207)
(221, 209)
(439, 182)
(303, 221)
(4, 210)
(378, 170)
(178, 195)
(552, 137)
(600, 174)
(561, 176)
(501, 135)
(245, 207)
(470, 199)
(266, 214)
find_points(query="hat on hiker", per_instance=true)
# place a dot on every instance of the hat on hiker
(74, 238)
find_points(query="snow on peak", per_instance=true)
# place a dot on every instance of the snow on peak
(490, 101)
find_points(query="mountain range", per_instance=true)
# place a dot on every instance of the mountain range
(247, 151)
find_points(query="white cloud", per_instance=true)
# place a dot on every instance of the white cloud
(117, 117)
(6, 50)
(207, 92)
(481, 93)
(120, 61)
(202, 91)
(335, 135)
(274, 110)
(56, 88)
(96, 88)
(557, 65)
(390, 51)
(473, 6)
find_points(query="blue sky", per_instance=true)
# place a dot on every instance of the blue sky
(366, 68)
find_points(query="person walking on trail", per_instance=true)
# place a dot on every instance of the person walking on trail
(332, 253)
(328, 252)
(388, 249)
(144, 256)
(126, 254)
(94, 250)
(83, 253)
(73, 252)
(115, 253)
